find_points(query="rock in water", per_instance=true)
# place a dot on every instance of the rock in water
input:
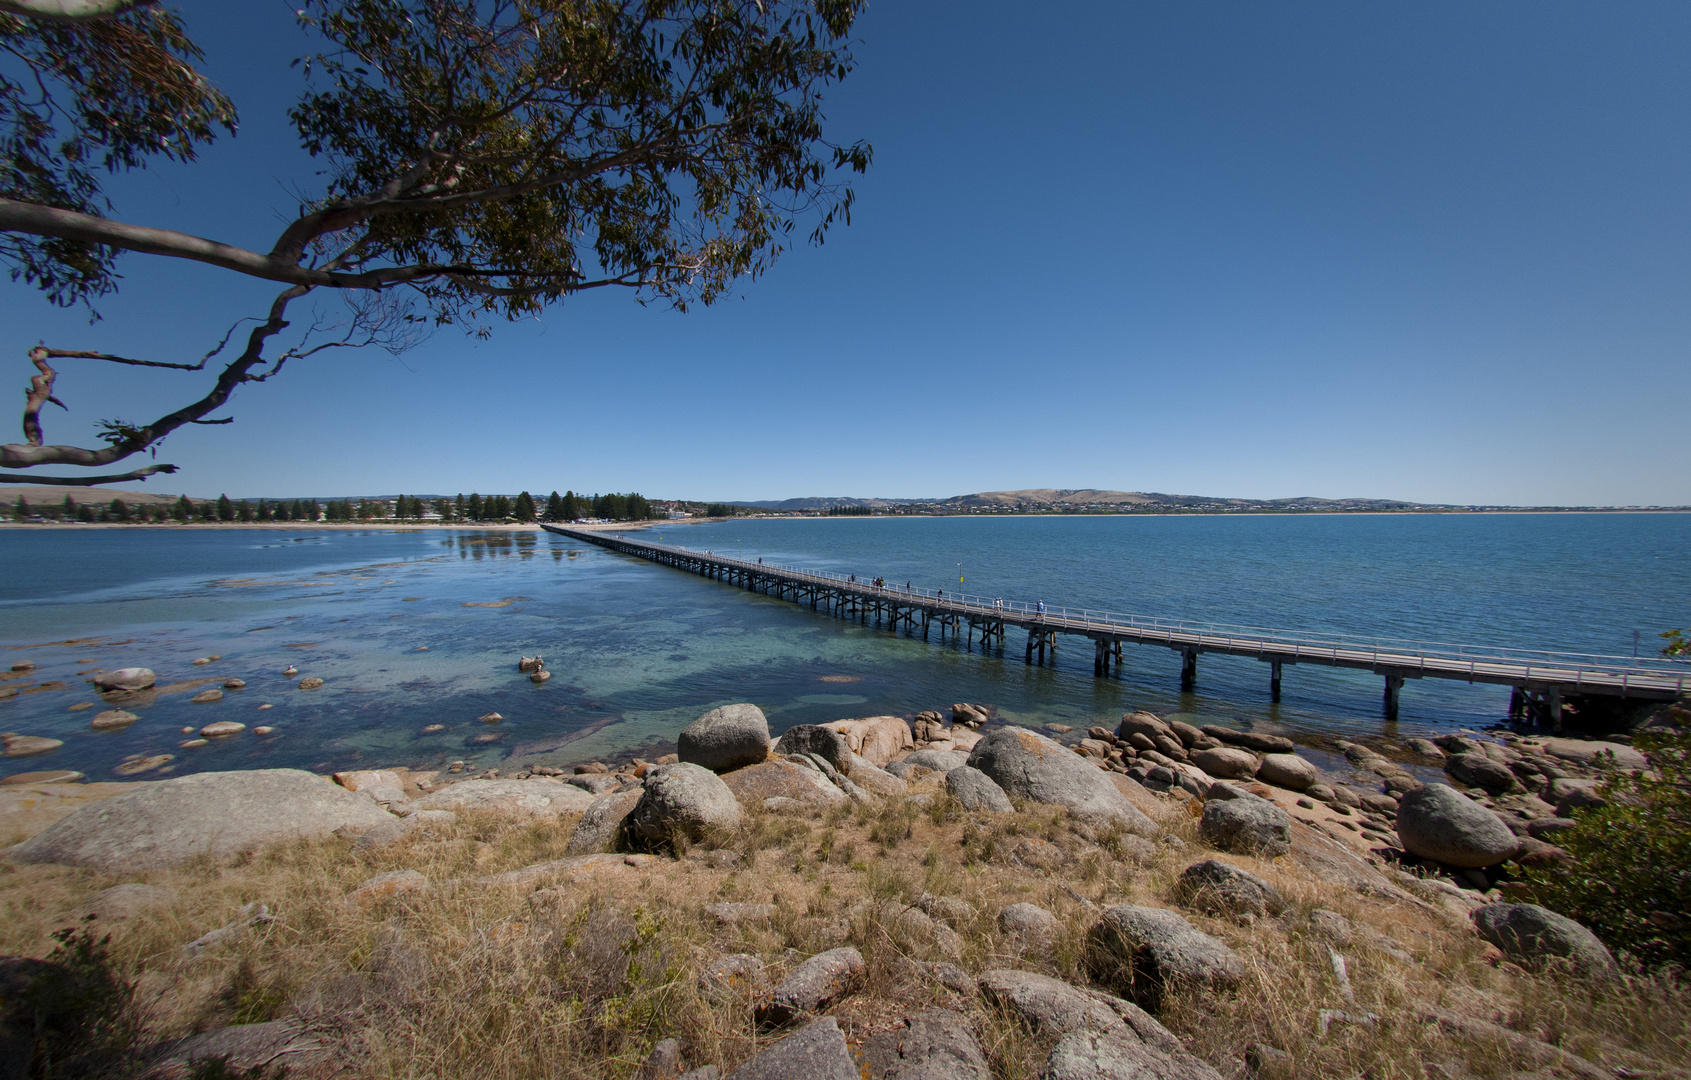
(223, 727)
(1223, 889)
(129, 678)
(1247, 825)
(215, 813)
(813, 986)
(1287, 771)
(1145, 951)
(28, 745)
(816, 1051)
(1027, 765)
(1438, 822)
(601, 824)
(112, 719)
(310, 682)
(683, 798)
(1536, 937)
(976, 791)
(726, 738)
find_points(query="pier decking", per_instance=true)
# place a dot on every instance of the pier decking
(1541, 680)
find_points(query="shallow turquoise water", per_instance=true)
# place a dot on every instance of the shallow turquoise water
(638, 650)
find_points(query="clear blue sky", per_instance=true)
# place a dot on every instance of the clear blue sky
(1430, 251)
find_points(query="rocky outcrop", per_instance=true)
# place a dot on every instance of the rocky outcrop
(1144, 952)
(1440, 823)
(814, 739)
(220, 814)
(682, 799)
(1536, 937)
(1027, 765)
(976, 791)
(537, 797)
(940, 761)
(725, 738)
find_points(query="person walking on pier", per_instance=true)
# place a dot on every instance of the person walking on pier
(1039, 609)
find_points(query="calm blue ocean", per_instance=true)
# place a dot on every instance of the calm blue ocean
(390, 619)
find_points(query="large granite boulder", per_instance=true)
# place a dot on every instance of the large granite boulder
(1440, 823)
(940, 761)
(1027, 765)
(220, 814)
(1144, 952)
(1143, 723)
(725, 738)
(1537, 937)
(1246, 825)
(682, 799)
(876, 739)
(976, 791)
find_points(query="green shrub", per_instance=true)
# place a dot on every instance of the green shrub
(1631, 883)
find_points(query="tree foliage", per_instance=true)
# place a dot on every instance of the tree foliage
(478, 160)
(1631, 881)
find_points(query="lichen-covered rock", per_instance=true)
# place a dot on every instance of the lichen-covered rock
(538, 797)
(685, 799)
(725, 738)
(816, 1051)
(1537, 937)
(812, 986)
(976, 791)
(1027, 765)
(1028, 923)
(1144, 952)
(782, 779)
(1247, 826)
(1440, 823)
(935, 1044)
(940, 761)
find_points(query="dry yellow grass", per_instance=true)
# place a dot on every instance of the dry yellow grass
(579, 978)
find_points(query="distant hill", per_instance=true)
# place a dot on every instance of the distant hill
(1083, 500)
(38, 496)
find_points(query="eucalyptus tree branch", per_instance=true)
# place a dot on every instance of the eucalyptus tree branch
(80, 354)
(68, 10)
(87, 481)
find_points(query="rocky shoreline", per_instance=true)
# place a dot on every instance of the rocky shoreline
(1194, 844)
